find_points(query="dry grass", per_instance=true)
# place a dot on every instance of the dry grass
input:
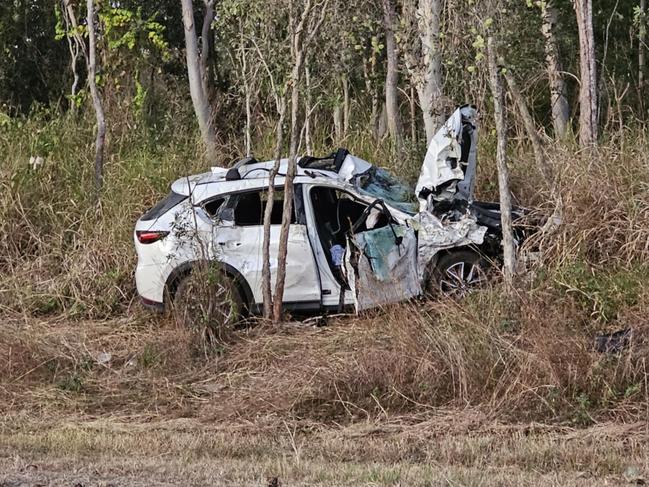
(420, 389)
(457, 448)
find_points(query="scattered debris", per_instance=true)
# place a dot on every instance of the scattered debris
(36, 161)
(633, 475)
(103, 358)
(614, 342)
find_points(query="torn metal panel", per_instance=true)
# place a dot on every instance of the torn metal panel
(353, 166)
(381, 266)
(435, 236)
(450, 160)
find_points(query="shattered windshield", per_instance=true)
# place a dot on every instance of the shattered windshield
(379, 183)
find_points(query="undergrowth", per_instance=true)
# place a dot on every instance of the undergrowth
(530, 355)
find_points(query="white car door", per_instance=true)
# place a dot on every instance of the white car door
(381, 266)
(238, 241)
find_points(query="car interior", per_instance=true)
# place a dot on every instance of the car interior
(249, 208)
(337, 215)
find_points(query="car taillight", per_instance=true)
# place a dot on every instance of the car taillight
(150, 237)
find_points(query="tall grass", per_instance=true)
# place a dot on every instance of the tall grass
(526, 356)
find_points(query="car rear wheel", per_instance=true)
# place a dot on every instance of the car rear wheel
(208, 302)
(458, 273)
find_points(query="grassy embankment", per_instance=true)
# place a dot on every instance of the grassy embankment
(66, 294)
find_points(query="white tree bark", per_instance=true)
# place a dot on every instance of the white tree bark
(197, 85)
(96, 97)
(392, 74)
(75, 46)
(558, 89)
(428, 74)
(588, 74)
(495, 82)
(307, 111)
(642, 39)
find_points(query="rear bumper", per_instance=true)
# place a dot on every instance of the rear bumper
(152, 305)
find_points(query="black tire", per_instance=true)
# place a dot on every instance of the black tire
(210, 305)
(457, 273)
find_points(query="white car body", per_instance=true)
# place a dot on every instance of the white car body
(394, 249)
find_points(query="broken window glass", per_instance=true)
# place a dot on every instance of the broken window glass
(212, 207)
(381, 184)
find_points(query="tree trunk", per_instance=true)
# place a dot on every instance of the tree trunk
(196, 84)
(207, 40)
(413, 117)
(288, 191)
(642, 38)
(588, 75)
(382, 127)
(530, 128)
(265, 271)
(96, 98)
(392, 75)
(338, 122)
(307, 111)
(75, 46)
(558, 89)
(247, 90)
(430, 87)
(501, 162)
(346, 105)
(299, 47)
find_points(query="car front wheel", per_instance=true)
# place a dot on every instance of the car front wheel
(458, 273)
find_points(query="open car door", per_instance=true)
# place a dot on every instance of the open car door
(381, 264)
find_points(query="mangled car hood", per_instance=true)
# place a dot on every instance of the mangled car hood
(448, 171)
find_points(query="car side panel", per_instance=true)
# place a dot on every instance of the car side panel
(241, 247)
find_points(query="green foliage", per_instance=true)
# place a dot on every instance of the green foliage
(128, 29)
(602, 292)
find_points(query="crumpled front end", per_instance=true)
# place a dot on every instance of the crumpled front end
(448, 171)
(435, 235)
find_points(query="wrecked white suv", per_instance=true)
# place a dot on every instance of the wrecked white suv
(358, 237)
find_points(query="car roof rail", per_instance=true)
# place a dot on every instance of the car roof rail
(233, 173)
(245, 162)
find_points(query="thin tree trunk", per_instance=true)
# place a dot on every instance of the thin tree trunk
(495, 82)
(413, 117)
(338, 122)
(382, 128)
(74, 46)
(530, 128)
(265, 271)
(346, 105)
(299, 47)
(307, 111)
(558, 88)
(392, 74)
(96, 98)
(197, 89)
(288, 190)
(588, 74)
(642, 38)
(246, 87)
